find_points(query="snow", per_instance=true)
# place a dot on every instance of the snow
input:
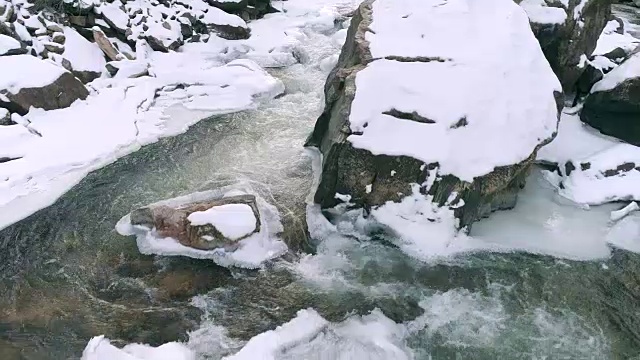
(576, 140)
(100, 348)
(625, 234)
(27, 72)
(539, 12)
(630, 68)
(233, 221)
(610, 39)
(83, 55)
(580, 144)
(7, 44)
(219, 17)
(602, 63)
(253, 251)
(114, 14)
(301, 329)
(309, 336)
(422, 229)
(516, 100)
(591, 186)
(119, 117)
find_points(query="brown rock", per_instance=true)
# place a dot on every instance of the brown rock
(105, 45)
(60, 93)
(173, 222)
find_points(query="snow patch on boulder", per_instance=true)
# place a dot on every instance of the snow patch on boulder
(253, 251)
(517, 98)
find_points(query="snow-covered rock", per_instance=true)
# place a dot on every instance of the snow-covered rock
(567, 30)
(86, 59)
(231, 226)
(613, 107)
(30, 82)
(11, 46)
(403, 106)
(213, 224)
(609, 175)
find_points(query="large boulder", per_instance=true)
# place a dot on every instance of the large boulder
(613, 107)
(412, 103)
(28, 81)
(11, 46)
(86, 58)
(568, 32)
(206, 225)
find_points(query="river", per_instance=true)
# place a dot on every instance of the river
(66, 275)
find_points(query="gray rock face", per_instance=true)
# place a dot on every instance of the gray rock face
(174, 223)
(372, 180)
(564, 44)
(616, 111)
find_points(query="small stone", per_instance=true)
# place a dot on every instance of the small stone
(53, 27)
(5, 117)
(54, 47)
(58, 38)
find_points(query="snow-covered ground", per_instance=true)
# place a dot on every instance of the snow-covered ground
(122, 114)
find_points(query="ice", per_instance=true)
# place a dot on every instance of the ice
(100, 348)
(309, 336)
(619, 214)
(630, 68)
(27, 71)
(625, 234)
(233, 221)
(301, 329)
(253, 251)
(516, 101)
(540, 13)
(83, 55)
(544, 223)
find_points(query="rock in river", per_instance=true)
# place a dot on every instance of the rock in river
(208, 225)
(404, 107)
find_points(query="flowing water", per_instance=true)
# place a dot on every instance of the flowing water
(65, 275)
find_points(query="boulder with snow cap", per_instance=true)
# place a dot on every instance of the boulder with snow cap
(567, 31)
(613, 107)
(401, 109)
(226, 26)
(207, 225)
(37, 83)
(11, 46)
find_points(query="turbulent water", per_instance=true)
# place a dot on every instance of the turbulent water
(66, 276)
